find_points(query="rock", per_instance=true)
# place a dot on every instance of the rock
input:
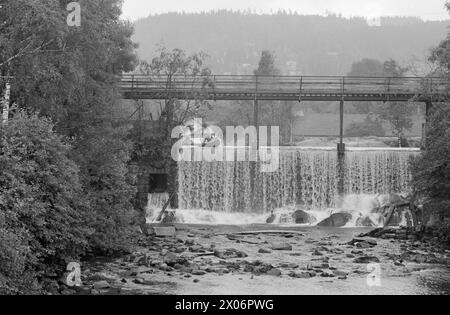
(317, 253)
(302, 275)
(101, 285)
(302, 217)
(171, 260)
(271, 219)
(362, 243)
(198, 272)
(337, 251)
(339, 273)
(327, 274)
(365, 221)
(164, 231)
(143, 281)
(366, 260)
(281, 246)
(336, 220)
(196, 249)
(230, 253)
(264, 251)
(274, 272)
(257, 270)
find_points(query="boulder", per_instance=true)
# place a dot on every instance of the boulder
(281, 246)
(366, 260)
(274, 272)
(336, 220)
(302, 217)
(264, 251)
(271, 218)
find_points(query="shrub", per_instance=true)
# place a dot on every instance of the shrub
(41, 208)
(103, 159)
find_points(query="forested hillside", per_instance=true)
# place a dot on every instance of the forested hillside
(309, 45)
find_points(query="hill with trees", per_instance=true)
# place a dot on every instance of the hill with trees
(308, 45)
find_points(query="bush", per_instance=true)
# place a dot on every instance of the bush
(103, 159)
(41, 209)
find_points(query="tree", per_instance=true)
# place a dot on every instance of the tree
(396, 114)
(174, 66)
(369, 127)
(367, 68)
(431, 173)
(431, 170)
(42, 206)
(266, 65)
(69, 75)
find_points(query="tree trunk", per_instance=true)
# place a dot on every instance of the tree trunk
(6, 99)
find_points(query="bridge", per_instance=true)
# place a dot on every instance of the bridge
(286, 88)
(289, 88)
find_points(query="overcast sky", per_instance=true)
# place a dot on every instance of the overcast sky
(426, 9)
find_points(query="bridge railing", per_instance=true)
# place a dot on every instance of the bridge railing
(288, 84)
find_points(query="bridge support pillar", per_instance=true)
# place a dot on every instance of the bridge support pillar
(341, 151)
(256, 121)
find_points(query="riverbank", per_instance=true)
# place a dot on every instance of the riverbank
(226, 260)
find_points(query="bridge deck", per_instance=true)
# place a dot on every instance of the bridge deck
(286, 88)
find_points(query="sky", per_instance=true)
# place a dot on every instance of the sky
(426, 9)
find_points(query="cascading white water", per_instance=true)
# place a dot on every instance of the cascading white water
(305, 177)
(156, 202)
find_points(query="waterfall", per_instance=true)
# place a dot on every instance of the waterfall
(306, 177)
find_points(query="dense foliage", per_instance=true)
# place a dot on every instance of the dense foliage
(67, 74)
(431, 171)
(42, 208)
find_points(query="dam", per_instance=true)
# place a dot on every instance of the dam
(307, 179)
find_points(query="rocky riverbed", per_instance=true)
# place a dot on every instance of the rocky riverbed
(276, 260)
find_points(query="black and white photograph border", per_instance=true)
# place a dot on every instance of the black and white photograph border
(241, 150)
